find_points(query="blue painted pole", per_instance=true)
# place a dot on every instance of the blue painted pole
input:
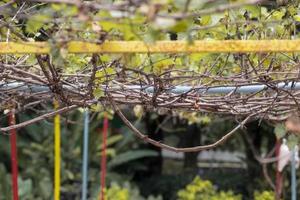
(293, 175)
(85, 155)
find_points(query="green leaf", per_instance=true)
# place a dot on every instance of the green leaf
(181, 26)
(65, 9)
(280, 130)
(98, 92)
(296, 18)
(45, 187)
(109, 70)
(130, 156)
(205, 20)
(104, 74)
(25, 188)
(277, 15)
(205, 119)
(254, 10)
(114, 139)
(36, 22)
(70, 174)
(110, 152)
(292, 10)
(292, 141)
(264, 11)
(138, 111)
(58, 6)
(124, 28)
(280, 29)
(97, 107)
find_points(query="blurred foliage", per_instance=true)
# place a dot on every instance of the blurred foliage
(204, 189)
(265, 195)
(35, 152)
(61, 22)
(127, 192)
(125, 157)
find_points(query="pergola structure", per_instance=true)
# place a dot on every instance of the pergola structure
(234, 84)
(254, 97)
(245, 99)
(258, 95)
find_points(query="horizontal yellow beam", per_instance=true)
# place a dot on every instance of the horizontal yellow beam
(209, 46)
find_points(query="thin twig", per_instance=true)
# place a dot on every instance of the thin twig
(165, 146)
(37, 119)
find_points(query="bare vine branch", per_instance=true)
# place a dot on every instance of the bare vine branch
(40, 118)
(170, 148)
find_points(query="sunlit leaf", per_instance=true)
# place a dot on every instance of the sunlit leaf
(36, 22)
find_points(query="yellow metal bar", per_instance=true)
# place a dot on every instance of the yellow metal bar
(56, 154)
(24, 47)
(216, 46)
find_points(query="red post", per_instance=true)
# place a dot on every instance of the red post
(103, 157)
(279, 178)
(14, 157)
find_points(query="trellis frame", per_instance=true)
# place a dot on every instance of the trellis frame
(198, 46)
(203, 46)
(228, 46)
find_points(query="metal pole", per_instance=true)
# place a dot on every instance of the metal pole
(85, 155)
(245, 89)
(103, 158)
(179, 46)
(293, 176)
(279, 178)
(14, 156)
(57, 154)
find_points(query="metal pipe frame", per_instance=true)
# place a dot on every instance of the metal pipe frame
(246, 89)
(198, 46)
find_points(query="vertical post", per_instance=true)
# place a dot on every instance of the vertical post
(278, 189)
(14, 158)
(295, 148)
(56, 154)
(103, 158)
(85, 155)
(293, 175)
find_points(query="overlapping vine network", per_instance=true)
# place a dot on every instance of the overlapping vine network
(167, 83)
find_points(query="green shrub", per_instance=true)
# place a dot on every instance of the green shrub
(203, 189)
(265, 195)
(126, 192)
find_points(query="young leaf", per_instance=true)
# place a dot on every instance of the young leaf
(280, 130)
(36, 22)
